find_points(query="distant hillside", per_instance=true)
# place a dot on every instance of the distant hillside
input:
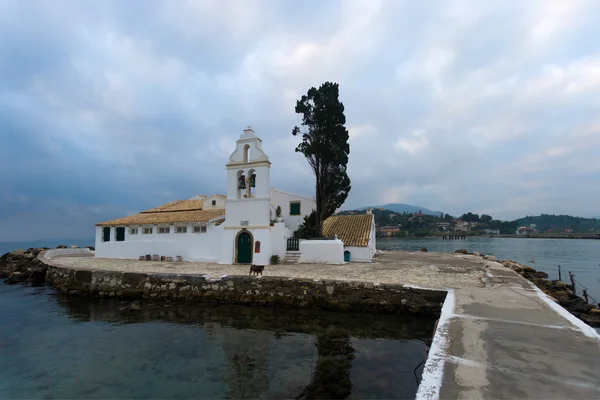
(546, 222)
(405, 208)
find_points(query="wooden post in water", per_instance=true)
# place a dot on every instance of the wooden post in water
(572, 277)
(559, 274)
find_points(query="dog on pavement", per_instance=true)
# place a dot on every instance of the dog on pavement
(256, 269)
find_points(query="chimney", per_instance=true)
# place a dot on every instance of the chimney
(369, 211)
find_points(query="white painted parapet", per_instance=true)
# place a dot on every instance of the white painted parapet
(322, 251)
(68, 252)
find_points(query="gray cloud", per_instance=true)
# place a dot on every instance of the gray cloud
(110, 107)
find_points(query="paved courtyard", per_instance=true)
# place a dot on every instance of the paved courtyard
(428, 270)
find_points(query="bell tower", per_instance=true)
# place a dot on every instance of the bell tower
(248, 170)
(247, 235)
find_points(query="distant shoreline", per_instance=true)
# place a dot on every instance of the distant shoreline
(509, 236)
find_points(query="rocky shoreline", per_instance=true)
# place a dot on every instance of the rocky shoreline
(23, 266)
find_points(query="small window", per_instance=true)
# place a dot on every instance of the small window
(120, 234)
(133, 231)
(214, 202)
(199, 229)
(106, 234)
(295, 208)
(147, 231)
(181, 229)
(164, 229)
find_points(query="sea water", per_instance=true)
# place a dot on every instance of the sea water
(57, 347)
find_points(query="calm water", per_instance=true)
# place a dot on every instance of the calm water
(580, 256)
(53, 347)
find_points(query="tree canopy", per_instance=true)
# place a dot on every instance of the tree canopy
(306, 230)
(470, 217)
(326, 148)
(485, 218)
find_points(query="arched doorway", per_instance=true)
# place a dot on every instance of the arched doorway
(243, 248)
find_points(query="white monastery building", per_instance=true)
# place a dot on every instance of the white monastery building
(241, 227)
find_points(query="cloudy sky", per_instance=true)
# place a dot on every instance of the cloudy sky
(111, 107)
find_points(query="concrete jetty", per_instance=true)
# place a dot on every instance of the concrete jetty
(498, 337)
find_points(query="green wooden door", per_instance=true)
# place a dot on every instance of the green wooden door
(244, 248)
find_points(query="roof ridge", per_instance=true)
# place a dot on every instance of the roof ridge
(172, 217)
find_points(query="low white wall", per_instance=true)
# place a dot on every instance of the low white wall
(191, 246)
(322, 251)
(279, 235)
(68, 252)
(359, 254)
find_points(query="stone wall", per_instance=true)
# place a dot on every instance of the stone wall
(250, 290)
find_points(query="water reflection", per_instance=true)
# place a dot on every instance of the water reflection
(331, 379)
(99, 348)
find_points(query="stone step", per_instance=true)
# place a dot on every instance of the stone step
(291, 257)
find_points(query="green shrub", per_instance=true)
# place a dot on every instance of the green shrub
(274, 259)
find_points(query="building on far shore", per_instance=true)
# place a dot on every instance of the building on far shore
(239, 227)
(462, 226)
(525, 230)
(388, 230)
(443, 226)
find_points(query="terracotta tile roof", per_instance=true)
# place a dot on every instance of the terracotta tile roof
(179, 211)
(353, 230)
(178, 205)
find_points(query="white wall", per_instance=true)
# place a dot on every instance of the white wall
(373, 240)
(255, 211)
(322, 251)
(191, 246)
(359, 254)
(279, 235)
(283, 199)
(219, 202)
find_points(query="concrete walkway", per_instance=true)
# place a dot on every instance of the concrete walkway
(509, 340)
(499, 337)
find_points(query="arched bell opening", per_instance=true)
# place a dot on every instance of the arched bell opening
(241, 184)
(251, 183)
